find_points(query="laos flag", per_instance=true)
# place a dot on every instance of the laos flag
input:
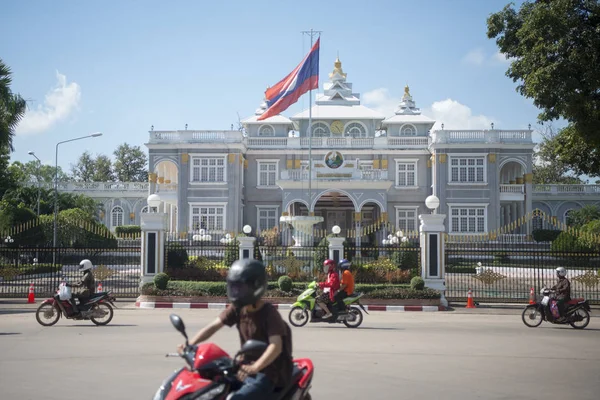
(286, 92)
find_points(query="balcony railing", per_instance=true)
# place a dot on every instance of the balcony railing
(141, 187)
(157, 137)
(512, 189)
(368, 175)
(567, 189)
(482, 136)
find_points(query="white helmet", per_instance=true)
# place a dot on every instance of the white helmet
(85, 265)
(561, 271)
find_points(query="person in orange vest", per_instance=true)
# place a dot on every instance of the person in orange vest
(347, 285)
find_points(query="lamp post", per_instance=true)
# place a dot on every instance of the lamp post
(154, 202)
(31, 153)
(247, 229)
(432, 202)
(54, 239)
(336, 230)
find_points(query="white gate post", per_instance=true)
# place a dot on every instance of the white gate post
(433, 257)
(154, 227)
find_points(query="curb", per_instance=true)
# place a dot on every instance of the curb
(221, 306)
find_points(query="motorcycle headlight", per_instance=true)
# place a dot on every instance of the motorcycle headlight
(212, 392)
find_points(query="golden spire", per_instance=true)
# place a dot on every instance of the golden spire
(406, 90)
(337, 68)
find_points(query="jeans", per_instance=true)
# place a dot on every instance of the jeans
(339, 300)
(257, 387)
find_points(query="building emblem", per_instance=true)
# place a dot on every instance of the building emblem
(334, 159)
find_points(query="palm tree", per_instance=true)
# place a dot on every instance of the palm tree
(12, 109)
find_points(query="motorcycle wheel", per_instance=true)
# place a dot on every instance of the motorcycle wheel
(530, 317)
(110, 312)
(358, 318)
(48, 311)
(298, 316)
(585, 321)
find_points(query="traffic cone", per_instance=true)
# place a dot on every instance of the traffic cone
(470, 303)
(99, 289)
(531, 296)
(31, 296)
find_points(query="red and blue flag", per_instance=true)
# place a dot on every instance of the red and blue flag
(286, 92)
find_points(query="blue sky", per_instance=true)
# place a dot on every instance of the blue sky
(119, 67)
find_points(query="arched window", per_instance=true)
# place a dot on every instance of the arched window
(408, 130)
(266, 130)
(355, 129)
(116, 216)
(537, 222)
(320, 129)
(566, 217)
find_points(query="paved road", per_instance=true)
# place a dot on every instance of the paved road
(393, 356)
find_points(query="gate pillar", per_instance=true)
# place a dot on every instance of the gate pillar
(154, 227)
(431, 239)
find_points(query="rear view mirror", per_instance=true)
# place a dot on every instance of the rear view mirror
(178, 324)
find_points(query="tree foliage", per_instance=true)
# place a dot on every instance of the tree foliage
(12, 108)
(582, 216)
(130, 164)
(549, 167)
(34, 171)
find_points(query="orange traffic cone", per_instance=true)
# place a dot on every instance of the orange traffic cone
(99, 289)
(31, 296)
(470, 303)
(531, 296)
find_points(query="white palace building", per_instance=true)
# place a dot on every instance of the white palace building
(365, 166)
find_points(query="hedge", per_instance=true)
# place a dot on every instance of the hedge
(27, 269)
(401, 293)
(545, 235)
(128, 230)
(219, 289)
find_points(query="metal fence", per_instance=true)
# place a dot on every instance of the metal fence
(118, 269)
(497, 271)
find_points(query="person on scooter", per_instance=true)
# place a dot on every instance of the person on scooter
(347, 286)
(86, 286)
(562, 290)
(258, 320)
(333, 283)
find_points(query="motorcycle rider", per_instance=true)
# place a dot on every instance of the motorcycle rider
(258, 320)
(347, 286)
(562, 290)
(333, 283)
(86, 286)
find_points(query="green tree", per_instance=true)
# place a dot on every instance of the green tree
(581, 155)
(83, 170)
(130, 164)
(554, 46)
(103, 169)
(12, 109)
(7, 180)
(548, 166)
(580, 217)
(34, 171)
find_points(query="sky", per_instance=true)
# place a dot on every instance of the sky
(120, 67)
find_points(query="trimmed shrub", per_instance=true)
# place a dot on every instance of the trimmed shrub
(232, 252)
(177, 256)
(407, 257)
(501, 258)
(161, 280)
(400, 293)
(285, 283)
(321, 253)
(417, 283)
(566, 242)
(545, 235)
(128, 230)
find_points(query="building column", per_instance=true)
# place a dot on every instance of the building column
(513, 212)
(521, 213)
(528, 179)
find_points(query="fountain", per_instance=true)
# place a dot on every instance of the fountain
(302, 227)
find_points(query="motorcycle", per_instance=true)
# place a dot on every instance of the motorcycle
(576, 314)
(306, 308)
(211, 374)
(95, 309)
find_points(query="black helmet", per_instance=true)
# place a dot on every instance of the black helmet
(246, 282)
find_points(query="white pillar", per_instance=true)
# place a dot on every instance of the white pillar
(246, 246)
(336, 249)
(153, 227)
(432, 253)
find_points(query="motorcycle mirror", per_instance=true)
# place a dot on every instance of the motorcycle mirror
(178, 324)
(253, 346)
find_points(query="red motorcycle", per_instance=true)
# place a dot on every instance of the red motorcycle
(212, 373)
(97, 308)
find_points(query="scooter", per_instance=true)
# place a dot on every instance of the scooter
(211, 373)
(577, 312)
(307, 309)
(98, 309)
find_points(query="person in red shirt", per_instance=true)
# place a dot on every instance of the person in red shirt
(332, 283)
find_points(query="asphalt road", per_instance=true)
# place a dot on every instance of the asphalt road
(392, 356)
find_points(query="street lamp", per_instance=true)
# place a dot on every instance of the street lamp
(56, 184)
(247, 229)
(154, 201)
(432, 202)
(31, 153)
(9, 240)
(336, 230)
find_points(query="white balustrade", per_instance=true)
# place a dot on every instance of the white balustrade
(512, 188)
(567, 189)
(196, 137)
(481, 136)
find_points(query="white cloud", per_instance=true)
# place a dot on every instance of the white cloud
(475, 57)
(501, 58)
(453, 114)
(59, 104)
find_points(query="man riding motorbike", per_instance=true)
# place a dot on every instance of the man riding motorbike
(333, 283)
(86, 286)
(347, 286)
(562, 290)
(258, 320)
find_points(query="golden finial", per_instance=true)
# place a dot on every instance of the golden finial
(406, 90)
(337, 68)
